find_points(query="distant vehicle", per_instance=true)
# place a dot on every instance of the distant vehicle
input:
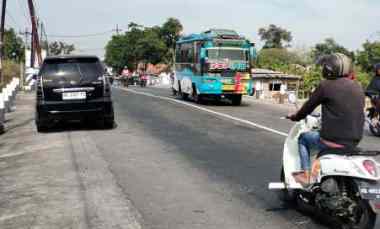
(216, 64)
(143, 80)
(73, 87)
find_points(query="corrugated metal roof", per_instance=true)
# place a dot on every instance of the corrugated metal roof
(269, 74)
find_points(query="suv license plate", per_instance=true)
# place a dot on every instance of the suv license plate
(73, 95)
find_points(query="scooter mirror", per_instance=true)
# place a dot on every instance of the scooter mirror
(292, 98)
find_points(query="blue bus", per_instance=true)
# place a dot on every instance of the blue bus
(214, 64)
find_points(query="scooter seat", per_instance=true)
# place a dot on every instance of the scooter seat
(348, 152)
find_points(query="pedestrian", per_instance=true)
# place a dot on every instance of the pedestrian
(283, 89)
(259, 89)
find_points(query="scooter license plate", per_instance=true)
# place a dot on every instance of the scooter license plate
(370, 192)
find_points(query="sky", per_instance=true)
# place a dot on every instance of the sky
(349, 22)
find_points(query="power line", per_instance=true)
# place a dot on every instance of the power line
(89, 49)
(13, 19)
(25, 13)
(82, 35)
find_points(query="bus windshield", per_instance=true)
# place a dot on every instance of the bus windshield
(231, 54)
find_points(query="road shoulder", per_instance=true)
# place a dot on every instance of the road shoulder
(54, 180)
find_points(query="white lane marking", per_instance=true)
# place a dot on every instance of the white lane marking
(208, 111)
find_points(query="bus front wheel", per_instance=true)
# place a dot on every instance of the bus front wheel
(197, 97)
(184, 96)
(236, 100)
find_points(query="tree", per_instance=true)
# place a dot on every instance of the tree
(170, 32)
(151, 49)
(143, 45)
(60, 48)
(275, 36)
(116, 51)
(133, 25)
(330, 46)
(362, 76)
(123, 50)
(276, 59)
(369, 56)
(311, 79)
(13, 46)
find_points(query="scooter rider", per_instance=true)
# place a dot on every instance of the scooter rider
(374, 86)
(342, 101)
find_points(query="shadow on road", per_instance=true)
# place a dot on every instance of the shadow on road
(215, 102)
(77, 126)
(21, 124)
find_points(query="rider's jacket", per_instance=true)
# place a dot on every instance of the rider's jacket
(343, 104)
(374, 85)
(374, 88)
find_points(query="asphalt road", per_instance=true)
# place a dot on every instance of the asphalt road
(168, 164)
(183, 168)
(268, 115)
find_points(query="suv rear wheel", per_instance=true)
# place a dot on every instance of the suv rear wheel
(108, 123)
(41, 127)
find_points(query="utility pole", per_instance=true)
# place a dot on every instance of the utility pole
(2, 24)
(46, 41)
(35, 39)
(117, 29)
(32, 50)
(26, 35)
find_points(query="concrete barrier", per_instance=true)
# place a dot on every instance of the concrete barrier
(5, 98)
(8, 100)
(2, 113)
(12, 95)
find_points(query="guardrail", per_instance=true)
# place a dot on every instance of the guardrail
(7, 100)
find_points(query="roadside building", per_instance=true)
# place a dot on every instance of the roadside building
(272, 85)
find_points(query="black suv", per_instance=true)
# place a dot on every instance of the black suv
(73, 87)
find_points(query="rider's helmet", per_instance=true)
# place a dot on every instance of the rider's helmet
(335, 66)
(377, 69)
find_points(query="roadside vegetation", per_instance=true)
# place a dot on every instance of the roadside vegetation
(142, 44)
(278, 55)
(13, 56)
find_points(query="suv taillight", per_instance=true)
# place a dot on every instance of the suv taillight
(106, 88)
(39, 88)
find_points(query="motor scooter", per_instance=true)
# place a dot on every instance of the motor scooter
(373, 114)
(344, 183)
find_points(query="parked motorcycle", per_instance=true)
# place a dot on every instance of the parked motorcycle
(373, 115)
(143, 82)
(344, 184)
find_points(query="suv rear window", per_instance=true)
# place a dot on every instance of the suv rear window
(78, 69)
